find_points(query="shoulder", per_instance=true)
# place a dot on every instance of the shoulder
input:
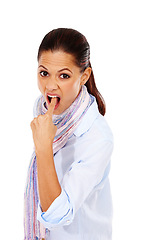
(92, 140)
(94, 126)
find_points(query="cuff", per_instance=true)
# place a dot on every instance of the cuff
(59, 213)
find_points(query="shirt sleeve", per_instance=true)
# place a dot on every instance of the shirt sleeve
(87, 173)
(83, 176)
(59, 213)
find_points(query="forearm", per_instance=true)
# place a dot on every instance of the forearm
(48, 184)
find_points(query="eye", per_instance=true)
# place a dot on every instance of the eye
(64, 76)
(44, 73)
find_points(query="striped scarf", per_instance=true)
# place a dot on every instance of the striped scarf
(66, 124)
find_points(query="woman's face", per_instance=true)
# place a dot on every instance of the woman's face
(59, 77)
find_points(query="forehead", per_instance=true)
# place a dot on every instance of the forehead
(56, 59)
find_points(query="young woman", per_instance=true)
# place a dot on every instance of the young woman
(68, 195)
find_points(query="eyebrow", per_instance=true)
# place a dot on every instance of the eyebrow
(59, 70)
(65, 69)
(43, 67)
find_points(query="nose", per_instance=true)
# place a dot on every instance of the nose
(51, 84)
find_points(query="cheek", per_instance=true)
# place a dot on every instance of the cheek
(40, 85)
(72, 90)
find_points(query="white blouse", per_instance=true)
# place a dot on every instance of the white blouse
(84, 208)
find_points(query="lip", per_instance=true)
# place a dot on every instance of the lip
(54, 95)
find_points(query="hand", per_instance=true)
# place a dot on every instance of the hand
(43, 129)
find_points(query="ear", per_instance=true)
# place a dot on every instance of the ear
(85, 76)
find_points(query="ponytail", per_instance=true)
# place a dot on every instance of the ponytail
(92, 89)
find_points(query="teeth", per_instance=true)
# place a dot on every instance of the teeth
(52, 96)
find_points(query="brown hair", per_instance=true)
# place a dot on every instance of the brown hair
(73, 42)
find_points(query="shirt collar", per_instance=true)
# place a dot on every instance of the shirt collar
(88, 119)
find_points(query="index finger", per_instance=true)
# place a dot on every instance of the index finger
(51, 106)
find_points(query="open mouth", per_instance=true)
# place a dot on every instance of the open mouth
(49, 98)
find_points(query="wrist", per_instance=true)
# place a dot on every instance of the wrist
(46, 149)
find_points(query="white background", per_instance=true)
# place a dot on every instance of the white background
(125, 54)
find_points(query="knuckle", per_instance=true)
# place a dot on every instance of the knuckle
(40, 117)
(32, 125)
(47, 115)
(33, 122)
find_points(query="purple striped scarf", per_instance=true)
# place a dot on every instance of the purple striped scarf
(66, 124)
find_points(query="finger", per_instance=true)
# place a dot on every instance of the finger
(32, 125)
(51, 106)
